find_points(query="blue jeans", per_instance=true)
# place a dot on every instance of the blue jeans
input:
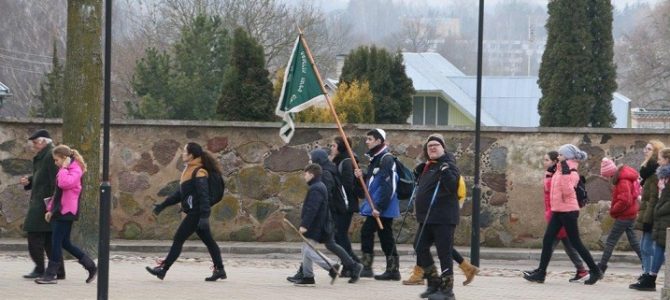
(620, 226)
(60, 239)
(659, 258)
(647, 251)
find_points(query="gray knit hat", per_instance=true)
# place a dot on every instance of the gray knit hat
(570, 151)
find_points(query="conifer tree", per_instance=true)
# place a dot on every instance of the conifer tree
(51, 94)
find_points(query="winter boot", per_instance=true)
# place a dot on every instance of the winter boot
(334, 272)
(36, 273)
(445, 289)
(356, 272)
(392, 269)
(305, 281)
(415, 278)
(469, 271)
(433, 281)
(647, 283)
(49, 276)
(217, 273)
(537, 276)
(367, 260)
(60, 275)
(89, 265)
(298, 275)
(594, 276)
(158, 271)
(602, 267)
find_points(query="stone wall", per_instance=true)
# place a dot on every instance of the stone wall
(264, 182)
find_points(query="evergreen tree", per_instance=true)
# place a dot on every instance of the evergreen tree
(51, 94)
(247, 91)
(392, 90)
(186, 85)
(577, 73)
(604, 70)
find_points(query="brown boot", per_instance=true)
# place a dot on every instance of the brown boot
(469, 271)
(415, 278)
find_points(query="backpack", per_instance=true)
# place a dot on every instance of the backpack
(462, 191)
(216, 186)
(406, 180)
(338, 200)
(580, 190)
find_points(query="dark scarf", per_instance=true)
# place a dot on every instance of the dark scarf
(647, 170)
(551, 170)
(375, 151)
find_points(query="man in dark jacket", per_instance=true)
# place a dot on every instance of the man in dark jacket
(437, 214)
(381, 179)
(41, 184)
(316, 226)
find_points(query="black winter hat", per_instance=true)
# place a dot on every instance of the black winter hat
(40, 133)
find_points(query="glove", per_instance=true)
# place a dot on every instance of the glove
(157, 209)
(565, 169)
(203, 224)
(647, 227)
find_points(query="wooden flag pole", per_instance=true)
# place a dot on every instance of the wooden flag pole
(361, 181)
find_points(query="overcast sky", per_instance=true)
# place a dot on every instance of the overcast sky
(329, 5)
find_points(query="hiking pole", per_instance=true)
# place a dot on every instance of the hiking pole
(430, 206)
(304, 239)
(409, 204)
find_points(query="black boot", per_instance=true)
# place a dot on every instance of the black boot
(356, 272)
(647, 283)
(89, 265)
(433, 281)
(60, 275)
(367, 260)
(594, 276)
(298, 275)
(602, 267)
(334, 272)
(218, 273)
(49, 276)
(158, 271)
(392, 272)
(36, 273)
(536, 276)
(445, 290)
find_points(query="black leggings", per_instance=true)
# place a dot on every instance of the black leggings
(385, 236)
(187, 227)
(442, 235)
(342, 224)
(567, 220)
(455, 255)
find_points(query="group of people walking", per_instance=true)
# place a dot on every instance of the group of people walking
(639, 201)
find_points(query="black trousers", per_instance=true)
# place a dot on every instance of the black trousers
(39, 243)
(342, 224)
(568, 220)
(442, 235)
(455, 255)
(386, 237)
(187, 227)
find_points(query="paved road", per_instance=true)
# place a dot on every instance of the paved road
(262, 277)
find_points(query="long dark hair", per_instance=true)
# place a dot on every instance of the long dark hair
(553, 155)
(341, 148)
(208, 161)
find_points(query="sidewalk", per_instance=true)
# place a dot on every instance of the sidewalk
(258, 248)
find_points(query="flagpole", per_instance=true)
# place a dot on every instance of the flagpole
(339, 127)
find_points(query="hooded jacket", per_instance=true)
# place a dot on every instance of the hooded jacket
(562, 195)
(649, 195)
(65, 203)
(381, 179)
(445, 207)
(662, 209)
(624, 205)
(351, 185)
(314, 215)
(548, 174)
(193, 192)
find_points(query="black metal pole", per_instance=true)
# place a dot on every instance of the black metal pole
(105, 186)
(476, 190)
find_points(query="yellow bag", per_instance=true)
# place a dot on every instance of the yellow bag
(462, 191)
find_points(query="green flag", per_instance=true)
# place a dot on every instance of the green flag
(301, 89)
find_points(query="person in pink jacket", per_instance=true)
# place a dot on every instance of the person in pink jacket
(564, 214)
(63, 210)
(550, 161)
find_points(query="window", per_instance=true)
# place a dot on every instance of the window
(430, 110)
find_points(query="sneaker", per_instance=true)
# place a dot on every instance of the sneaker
(580, 276)
(305, 281)
(537, 276)
(334, 273)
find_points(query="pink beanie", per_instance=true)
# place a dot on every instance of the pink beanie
(607, 167)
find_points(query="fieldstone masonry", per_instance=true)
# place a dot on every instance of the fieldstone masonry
(264, 179)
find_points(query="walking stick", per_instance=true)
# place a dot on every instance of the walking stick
(409, 204)
(430, 206)
(304, 239)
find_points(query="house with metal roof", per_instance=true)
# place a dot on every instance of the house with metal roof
(446, 96)
(4, 93)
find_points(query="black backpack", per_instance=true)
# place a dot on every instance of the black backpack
(337, 195)
(580, 190)
(406, 180)
(216, 186)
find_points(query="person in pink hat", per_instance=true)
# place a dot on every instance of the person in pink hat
(623, 209)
